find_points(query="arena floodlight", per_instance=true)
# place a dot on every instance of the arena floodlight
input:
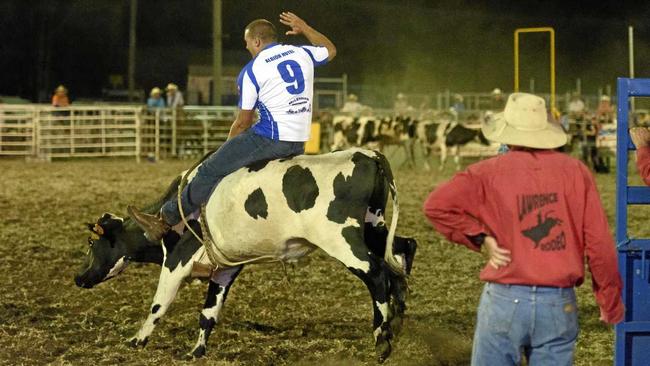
(551, 32)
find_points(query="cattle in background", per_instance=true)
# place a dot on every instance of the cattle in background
(283, 210)
(376, 133)
(446, 133)
(344, 133)
(354, 132)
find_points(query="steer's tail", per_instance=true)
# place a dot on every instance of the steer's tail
(387, 174)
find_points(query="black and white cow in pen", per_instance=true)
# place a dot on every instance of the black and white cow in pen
(277, 210)
(444, 134)
(376, 133)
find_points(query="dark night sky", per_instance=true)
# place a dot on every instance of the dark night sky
(411, 46)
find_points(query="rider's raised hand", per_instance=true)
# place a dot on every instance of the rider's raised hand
(297, 25)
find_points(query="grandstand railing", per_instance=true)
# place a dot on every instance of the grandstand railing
(47, 132)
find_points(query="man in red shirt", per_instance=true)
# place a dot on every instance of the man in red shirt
(641, 138)
(537, 214)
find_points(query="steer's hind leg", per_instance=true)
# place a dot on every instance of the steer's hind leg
(354, 254)
(443, 156)
(177, 266)
(403, 248)
(220, 284)
(457, 157)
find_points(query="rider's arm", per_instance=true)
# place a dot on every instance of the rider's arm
(244, 121)
(299, 26)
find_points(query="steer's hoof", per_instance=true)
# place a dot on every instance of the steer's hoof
(382, 346)
(382, 350)
(135, 342)
(198, 352)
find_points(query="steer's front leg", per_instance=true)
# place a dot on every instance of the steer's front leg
(168, 284)
(177, 266)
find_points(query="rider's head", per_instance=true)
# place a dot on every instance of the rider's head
(258, 34)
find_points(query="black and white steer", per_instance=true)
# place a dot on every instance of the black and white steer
(376, 133)
(443, 135)
(278, 210)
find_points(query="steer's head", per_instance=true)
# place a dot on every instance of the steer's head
(107, 254)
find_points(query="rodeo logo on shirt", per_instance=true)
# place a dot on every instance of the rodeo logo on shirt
(541, 230)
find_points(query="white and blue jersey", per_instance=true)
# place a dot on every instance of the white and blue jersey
(279, 82)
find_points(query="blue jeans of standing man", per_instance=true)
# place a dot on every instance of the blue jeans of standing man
(238, 152)
(540, 322)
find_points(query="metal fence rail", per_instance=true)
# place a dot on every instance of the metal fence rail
(17, 132)
(92, 131)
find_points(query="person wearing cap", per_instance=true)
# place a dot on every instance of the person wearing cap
(352, 106)
(605, 110)
(576, 106)
(497, 102)
(279, 83)
(155, 100)
(537, 215)
(60, 97)
(401, 105)
(459, 104)
(174, 96)
(641, 139)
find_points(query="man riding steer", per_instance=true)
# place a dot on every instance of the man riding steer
(279, 82)
(278, 210)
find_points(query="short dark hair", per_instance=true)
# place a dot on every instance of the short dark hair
(262, 29)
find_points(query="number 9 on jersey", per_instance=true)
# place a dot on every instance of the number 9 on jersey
(292, 74)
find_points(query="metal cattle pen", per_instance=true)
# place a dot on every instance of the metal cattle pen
(633, 334)
(45, 132)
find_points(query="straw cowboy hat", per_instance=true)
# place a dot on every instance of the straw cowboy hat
(171, 86)
(155, 91)
(524, 122)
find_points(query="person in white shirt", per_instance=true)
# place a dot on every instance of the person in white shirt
(352, 106)
(174, 96)
(576, 106)
(279, 83)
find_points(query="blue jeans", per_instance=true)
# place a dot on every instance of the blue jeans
(240, 151)
(540, 322)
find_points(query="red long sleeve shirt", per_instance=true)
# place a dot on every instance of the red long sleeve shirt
(643, 163)
(544, 207)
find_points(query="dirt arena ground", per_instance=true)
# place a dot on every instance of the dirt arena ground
(322, 316)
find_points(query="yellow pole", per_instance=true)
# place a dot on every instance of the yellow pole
(516, 60)
(552, 62)
(551, 32)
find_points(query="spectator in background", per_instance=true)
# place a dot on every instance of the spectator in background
(352, 106)
(401, 105)
(641, 139)
(60, 97)
(459, 105)
(155, 99)
(605, 111)
(537, 215)
(174, 96)
(497, 102)
(576, 106)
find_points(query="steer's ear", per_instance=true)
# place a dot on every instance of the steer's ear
(90, 226)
